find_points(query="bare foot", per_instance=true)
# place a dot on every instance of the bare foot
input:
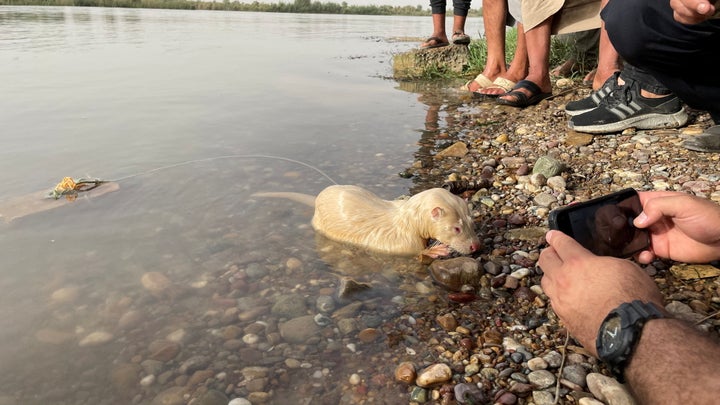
(590, 77)
(566, 69)
(435, 41)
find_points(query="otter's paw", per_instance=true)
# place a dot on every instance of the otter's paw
(436, 251)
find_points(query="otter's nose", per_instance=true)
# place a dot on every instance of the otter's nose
(475, 246)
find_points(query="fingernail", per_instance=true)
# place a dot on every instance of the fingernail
(549, 235)
(640, 219)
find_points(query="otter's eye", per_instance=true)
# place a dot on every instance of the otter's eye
(457, 229)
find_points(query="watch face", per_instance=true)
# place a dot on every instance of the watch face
(610, 339)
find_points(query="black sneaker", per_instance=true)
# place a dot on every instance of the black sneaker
(593, 100)
(624, 107)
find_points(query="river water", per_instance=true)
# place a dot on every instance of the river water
(190, 112)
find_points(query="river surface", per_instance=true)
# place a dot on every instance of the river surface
(190, 112)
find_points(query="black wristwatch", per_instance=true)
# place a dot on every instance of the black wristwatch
(620, 333)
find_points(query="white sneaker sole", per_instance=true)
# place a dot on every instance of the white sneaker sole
(647, 121)
(578, 112)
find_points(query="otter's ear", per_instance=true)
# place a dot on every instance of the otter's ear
(436, 213)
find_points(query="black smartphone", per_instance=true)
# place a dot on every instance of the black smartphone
(604, 225)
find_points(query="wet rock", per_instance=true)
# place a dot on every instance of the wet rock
(350, 289)
(325, 304)
(130, 319)
(299, 330)
(469, 394)
(434, 374)
(124, 377)
(163, 350)
(405, 372)
(447, 321)
(156, 283)
(212, 397)
(454, 273)
(347, 326)
(170, 396)
(96, 338)
(368, 335)
(458, 149)
(418, 395)
(194, 363)
(239, 401)
(65, 295)
(53, 336)
(290, 306)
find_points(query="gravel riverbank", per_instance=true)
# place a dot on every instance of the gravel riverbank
(317, 323)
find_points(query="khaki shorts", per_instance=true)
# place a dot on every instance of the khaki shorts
(569, 15)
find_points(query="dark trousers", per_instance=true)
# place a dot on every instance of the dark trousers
(460, 7)
(684, 58)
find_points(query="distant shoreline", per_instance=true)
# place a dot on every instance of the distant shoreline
(298, 6)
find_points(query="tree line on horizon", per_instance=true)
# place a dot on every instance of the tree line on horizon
(297, 6)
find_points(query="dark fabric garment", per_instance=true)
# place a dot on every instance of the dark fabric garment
(684, 58)
(460, 7)
(645, 80)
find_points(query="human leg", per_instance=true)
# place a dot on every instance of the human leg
(538, 51)
(460, 12)
(584, 52)
(637, 100)
(496, 78)
(682, 57)
(438, 37)
(609, 60)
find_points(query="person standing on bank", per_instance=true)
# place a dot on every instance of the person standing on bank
(439, 36)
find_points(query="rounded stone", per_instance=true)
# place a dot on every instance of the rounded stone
(405, 372)
(541, 379)
(434, 374)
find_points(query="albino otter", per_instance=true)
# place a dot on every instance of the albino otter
(356, 216)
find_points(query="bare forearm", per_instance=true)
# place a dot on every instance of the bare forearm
(675, 364)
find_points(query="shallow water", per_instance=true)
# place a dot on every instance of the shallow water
(191, 112)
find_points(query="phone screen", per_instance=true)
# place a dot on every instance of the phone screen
(604, 225)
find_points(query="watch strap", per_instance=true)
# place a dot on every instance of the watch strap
(633, 316)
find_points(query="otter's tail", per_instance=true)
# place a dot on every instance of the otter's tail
(297, 197)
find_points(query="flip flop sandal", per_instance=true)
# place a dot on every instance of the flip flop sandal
(522, 100)
(708, 141)
(437, 43)
(499, 83)
(482, 80)
(458, 38)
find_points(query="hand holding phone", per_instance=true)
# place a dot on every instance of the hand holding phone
(604, 225)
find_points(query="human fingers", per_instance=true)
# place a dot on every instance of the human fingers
(565, 246)
(657, 207)
(691, 11)
(645, 257)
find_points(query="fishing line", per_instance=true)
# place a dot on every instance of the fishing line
(70, 188)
